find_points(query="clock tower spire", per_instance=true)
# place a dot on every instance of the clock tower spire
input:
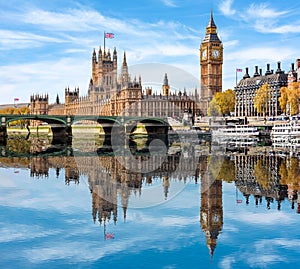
(211, 61)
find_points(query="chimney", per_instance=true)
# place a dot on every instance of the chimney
(246, 74)
(278, 71)
(268, 72)
(256, 74)
(292, 67)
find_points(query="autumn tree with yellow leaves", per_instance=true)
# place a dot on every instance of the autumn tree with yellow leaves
(222, 103)
(262, 98)
(289, 99)
(17, 111)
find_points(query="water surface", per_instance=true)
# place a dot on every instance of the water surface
(148, 204)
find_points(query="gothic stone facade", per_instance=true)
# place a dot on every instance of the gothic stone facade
(110, 95)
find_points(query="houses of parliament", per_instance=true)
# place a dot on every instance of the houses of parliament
(110, 94)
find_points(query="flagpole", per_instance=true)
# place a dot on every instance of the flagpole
(235, 77)
(104, 41)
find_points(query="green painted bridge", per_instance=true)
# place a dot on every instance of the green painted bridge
(61, 125)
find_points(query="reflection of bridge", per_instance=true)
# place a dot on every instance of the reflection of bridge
(61, 125)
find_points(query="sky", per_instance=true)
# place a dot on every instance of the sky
(46, 46)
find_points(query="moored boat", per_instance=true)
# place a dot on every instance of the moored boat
(236, 131)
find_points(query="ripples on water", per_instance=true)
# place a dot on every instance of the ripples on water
(148, 204)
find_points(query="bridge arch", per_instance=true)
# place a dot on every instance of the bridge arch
(153, 126)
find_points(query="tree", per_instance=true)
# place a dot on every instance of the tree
(225, 101)
(214, 109)
(289, 99)
(283, 99)
(17, 111)
(262, 98)
(294, 98)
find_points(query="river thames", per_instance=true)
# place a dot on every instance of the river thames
(148, 203)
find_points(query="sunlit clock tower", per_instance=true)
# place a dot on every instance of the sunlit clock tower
(211, 61)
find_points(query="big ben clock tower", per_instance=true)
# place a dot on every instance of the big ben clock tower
(211, 211)
(211, 60)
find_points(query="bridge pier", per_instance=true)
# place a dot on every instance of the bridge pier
(61, 134)
(3, 128)
(3, 132)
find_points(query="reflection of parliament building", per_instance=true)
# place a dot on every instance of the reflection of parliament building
(110, 94)
(114, 180)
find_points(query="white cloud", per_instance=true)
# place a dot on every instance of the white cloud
(267, 20)
(263, 11)
(226, 8)
(16, 232)
(33, 78)
(169, 3)
(21, 40)
(227, 262)
(268, 218)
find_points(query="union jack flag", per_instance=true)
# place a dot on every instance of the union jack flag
(109, 35)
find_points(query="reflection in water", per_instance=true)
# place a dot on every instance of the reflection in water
(118, 178)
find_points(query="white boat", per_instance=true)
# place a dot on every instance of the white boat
(287, 134)
(295, 130)
(281, 130)
(236, 131)
(285, 131)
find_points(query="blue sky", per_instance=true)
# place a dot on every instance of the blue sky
(47, 45)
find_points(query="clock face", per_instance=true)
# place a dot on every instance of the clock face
(216, 53)
(204, 54)
(216, 218)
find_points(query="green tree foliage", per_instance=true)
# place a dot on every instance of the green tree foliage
(225, 101)
(262, 98)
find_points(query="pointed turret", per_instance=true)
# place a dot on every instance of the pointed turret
(166, 83)
(124, 60)
(124, 76)
(94, 58)
(211, 22)
(115, 55)
(100, 54)
(211, 31)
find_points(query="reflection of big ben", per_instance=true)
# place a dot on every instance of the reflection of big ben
(211, 60)
(211, 212)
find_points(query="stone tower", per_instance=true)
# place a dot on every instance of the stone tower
(166, 86)
(39, 104)
(211, 60)
(104, 74)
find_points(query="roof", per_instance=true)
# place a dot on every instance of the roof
(257, 81)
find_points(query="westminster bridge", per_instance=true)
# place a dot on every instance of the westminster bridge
(61, 125)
